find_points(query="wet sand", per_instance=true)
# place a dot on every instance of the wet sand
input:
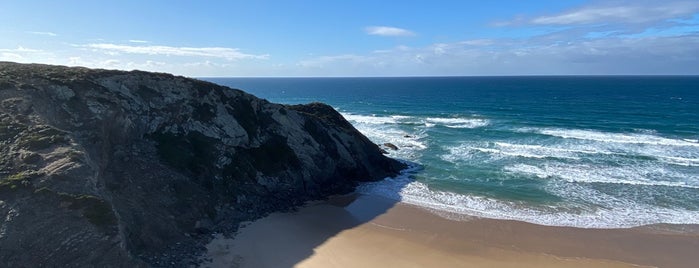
(367, 231)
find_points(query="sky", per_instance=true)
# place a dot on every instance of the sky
(357, 38)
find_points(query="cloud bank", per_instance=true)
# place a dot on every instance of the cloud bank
(211, 52)
(606, 37)
(537, 56)
(43, 33)
(388, 31)
(613, 12)
(600, 38)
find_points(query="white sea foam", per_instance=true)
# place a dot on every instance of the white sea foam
(611, 213)
(591, 162)
(682, 161)
(577, 149)
(391, 129)
(457, 122)
(637, 175)
(405, 141)
(459, 153)
(373, 119)
(498, 150)
(498, 153)
(549, 149)
(611, 137)
(539, 151)
(410, 120)
(566, 161)
(674, 155)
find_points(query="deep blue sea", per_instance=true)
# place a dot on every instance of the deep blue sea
(600, 152)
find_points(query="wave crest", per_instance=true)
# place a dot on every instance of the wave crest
(610, 137)
(613, 213)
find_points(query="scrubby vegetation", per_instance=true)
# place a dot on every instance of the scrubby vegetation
(42, 138)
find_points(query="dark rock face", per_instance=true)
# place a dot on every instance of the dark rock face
(110, 168)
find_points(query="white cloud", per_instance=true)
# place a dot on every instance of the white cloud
(27, 55)
(154, 63)
(95, 63)
(321, 62)
(477, 42)
(634, 12)
(111, 63)
(20, 49)
(43, 33)
(6, 56)
(600, 56)
(207, 64)
(212, 52)
(19, 54)
(388, 31)
(138, 41)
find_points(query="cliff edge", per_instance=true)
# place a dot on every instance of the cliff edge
(111, 168)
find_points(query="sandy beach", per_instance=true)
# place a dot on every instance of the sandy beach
(368, 231)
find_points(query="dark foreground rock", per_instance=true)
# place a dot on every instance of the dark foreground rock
(122, 169)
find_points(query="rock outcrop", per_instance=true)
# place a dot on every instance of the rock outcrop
(391, 146)
(111, 168)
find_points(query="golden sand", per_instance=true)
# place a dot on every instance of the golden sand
(374, 232)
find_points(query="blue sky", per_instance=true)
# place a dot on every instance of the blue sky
(357, 38)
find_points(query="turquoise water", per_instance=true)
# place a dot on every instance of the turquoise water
(602, 152)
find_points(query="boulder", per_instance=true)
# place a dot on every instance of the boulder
(391, 146)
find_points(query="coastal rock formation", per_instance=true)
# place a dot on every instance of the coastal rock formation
(111, 168)
(391, 146)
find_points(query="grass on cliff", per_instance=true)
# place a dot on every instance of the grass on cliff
(18, 180)
(42, 138)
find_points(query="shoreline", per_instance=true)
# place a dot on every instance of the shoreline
(369, 231)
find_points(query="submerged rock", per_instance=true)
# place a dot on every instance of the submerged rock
(391, 146)
(113, 168)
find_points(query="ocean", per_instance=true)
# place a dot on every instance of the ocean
(583, 151)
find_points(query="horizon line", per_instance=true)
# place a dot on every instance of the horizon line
(457, 76)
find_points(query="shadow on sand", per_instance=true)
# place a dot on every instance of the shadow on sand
(347, 230)
(287, 239)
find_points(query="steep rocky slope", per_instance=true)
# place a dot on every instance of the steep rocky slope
(111, 168)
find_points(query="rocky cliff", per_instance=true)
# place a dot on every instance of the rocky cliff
(111, 168)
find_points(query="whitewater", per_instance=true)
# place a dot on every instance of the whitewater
(594, 152)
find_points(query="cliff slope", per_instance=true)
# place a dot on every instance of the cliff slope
(112, 168)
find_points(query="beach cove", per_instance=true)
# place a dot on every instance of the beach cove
(370, 231)
(588, 152)
(506, 172)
